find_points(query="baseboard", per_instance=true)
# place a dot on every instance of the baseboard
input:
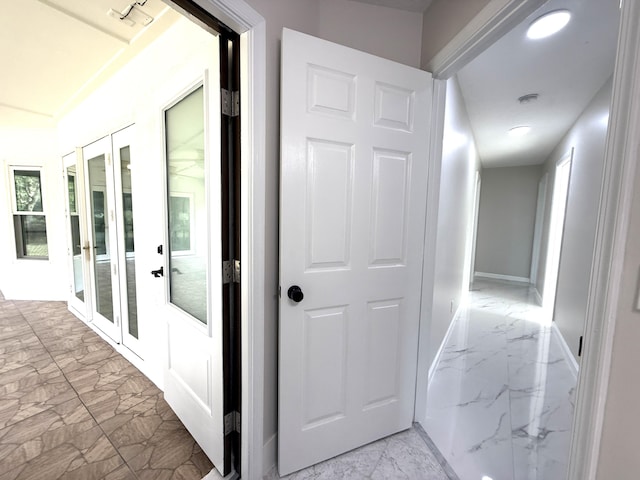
(436, 359)
(498, 276)
(538, 296)
(565, 348)
(269, 452)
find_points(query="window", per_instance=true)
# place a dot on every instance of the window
(29, 219)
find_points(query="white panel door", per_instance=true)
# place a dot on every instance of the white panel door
(355, 132)
(192, 267)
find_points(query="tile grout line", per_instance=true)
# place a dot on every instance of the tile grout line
(446, 467)
(77, 395)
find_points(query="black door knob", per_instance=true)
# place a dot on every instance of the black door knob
(295, 293)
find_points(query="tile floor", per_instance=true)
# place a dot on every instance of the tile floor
(73, 408)
(500, 402)
(404, 456)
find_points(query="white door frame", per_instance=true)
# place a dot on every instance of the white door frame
(556, 233)
(537, 231)
(241, 17)
(493, 21)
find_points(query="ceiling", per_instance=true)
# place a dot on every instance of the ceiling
(55, 52)
(566, 70)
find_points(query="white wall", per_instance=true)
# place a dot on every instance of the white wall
(457, 184)
(443, 20)
(32, 279)
(137, 94)
(619, 457)
(506, 220)
(587, 138)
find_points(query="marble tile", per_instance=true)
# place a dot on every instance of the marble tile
(408, 457)
(404, 455)
(500, 401)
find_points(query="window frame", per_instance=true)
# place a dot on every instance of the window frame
(20, 252)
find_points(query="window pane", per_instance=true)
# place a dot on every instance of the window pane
(184, 124)
(180, 222)
(31, 236)
(103, 279)
(28, 190)
(71, 186)
(127, 207)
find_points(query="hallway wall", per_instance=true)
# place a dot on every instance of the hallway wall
(619, 457)
(506, 220)
(587, 137)
(33, 279)
(460, 163)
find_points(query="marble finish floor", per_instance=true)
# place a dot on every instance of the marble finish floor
(403, 456)
(501, 398)
(73, 408)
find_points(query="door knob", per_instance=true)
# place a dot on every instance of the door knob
(295, 293)
(158, 273)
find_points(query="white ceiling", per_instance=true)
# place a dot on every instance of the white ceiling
(408, 5)
(55, 52)
(566, 70)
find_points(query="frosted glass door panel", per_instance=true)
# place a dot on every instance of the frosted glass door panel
(186, 205)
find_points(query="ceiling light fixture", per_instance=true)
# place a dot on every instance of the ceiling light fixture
(519, 131)
(548, 24)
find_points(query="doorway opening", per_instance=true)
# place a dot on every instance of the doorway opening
(556, 229)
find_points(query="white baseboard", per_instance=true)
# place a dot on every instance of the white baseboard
(538, 296)
(565, 348)
(436, 359)
(269, 453)
(506, 278)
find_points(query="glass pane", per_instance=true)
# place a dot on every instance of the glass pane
(187, 212)
(76, 242)
(28, 190)
(31, 236)
(78, 279)
(71, 188)
(127, 207)
(180, 223)
(100, 232)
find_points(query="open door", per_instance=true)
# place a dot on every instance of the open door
(192, 259)
(355, 132)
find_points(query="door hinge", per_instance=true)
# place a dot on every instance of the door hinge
(230, 271)
(232, 422)
(230, 102)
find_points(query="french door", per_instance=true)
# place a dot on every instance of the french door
(355, 131)
(110, 261)
(77, 245)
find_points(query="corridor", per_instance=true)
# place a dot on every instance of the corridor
(73, 408)
(501, 400)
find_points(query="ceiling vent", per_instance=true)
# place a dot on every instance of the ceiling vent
(528, 98)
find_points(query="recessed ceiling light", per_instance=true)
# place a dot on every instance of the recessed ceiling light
(519, 131)
(548, 24)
